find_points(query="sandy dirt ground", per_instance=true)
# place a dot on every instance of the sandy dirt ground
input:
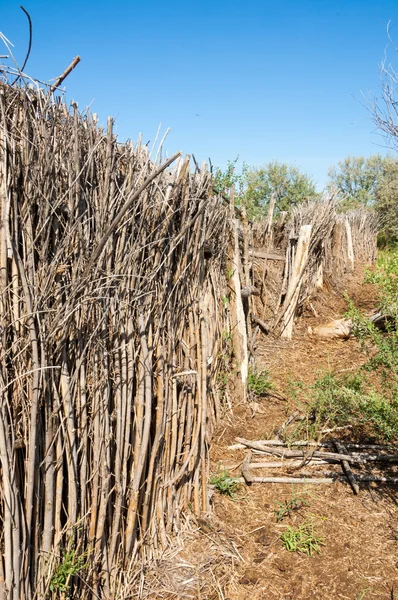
(236, 553)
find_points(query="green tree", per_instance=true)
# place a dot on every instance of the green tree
(223, 181)
(357, 179)
(386, 204)
(290, 186)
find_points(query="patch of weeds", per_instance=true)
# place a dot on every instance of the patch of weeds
(71, 563)
(333, 401)
(258, 381)
(368, 398)
(224, 483)
(303, 539)
(294, 388)
(286, 508)
(381, 346)
(385, 278)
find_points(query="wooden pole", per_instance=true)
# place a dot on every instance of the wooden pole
(65, 74)
(350, 247)
(239, 333)
(294, 286)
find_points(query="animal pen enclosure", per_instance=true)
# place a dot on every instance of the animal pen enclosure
(121, 290)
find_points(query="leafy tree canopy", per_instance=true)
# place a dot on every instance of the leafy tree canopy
(223, 181)
(357, 179)
(290, 186)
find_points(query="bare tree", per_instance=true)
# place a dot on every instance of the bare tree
(384, 110)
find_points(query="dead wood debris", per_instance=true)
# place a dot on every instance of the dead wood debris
(305, 454)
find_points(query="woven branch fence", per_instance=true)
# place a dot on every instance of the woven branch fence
(292, 259)
(112, 273)
(126, 301)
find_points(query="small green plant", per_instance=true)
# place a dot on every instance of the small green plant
(258, 381)
(294, 388)
(302, 539)
(224, 483)
(286, 508)
(227, 336)
(222, 381)
(70, 564)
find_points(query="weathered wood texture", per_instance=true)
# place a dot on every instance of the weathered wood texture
(112, 337)
(336, 244)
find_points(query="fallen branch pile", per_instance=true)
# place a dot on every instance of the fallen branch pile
(348, 456)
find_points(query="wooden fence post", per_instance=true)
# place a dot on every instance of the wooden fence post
(350, 246)
(294, 286)
(238, 321)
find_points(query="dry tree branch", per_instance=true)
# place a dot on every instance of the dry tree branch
(65, 74)
(29, 45)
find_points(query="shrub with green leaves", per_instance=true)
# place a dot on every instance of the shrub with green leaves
(351, 400)
(385, 277)
(368, 398)
(381, 346)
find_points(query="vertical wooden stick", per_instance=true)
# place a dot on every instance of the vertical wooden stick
(293, 291)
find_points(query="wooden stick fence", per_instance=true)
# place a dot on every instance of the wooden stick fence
(315, 242)
(114, 271)
(109, 348)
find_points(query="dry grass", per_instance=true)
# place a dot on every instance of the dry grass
(200, 563)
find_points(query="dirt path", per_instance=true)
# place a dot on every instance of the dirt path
(359, 559)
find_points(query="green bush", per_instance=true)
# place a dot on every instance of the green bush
(385, 277)
(337, 401)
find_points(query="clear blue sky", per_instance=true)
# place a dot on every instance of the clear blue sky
(278, 80)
